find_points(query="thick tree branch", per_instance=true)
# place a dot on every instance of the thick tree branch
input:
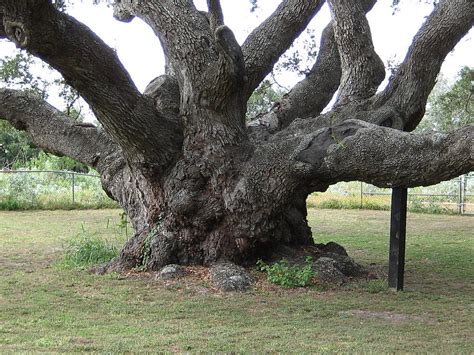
(164, 90)
(206, 59)
(312, 158)
(319, 86)
(408, 90)
(216, 16)
(274, 36)
(93, 68)
(362, 69)
(357, 150)
(55, 132)
(315, 90)
(183, 31)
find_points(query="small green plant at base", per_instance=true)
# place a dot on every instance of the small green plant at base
(147, 249)
(281, 273)
(147, 244)
(87, 250)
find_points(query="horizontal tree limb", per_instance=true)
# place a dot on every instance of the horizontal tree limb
(55, 132)
(386, 157)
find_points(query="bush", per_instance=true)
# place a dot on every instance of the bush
(88, 250)
(10, 204)
(280, 273)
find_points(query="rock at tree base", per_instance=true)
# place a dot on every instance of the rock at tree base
(343, 262)
(170, 272)
(328, 272)
(332, 247)
(335, 266)
(230, 277)
(346, 265)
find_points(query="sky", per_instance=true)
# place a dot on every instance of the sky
(140, 51)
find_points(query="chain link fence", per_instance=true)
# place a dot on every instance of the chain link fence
(454, 197)
(51, 189)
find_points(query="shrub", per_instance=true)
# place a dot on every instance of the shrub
(280, 273)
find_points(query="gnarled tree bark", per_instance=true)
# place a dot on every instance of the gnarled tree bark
(199, 184)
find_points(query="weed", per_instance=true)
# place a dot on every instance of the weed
(146, 251)
(375, 286)
(10, 204)
(280, 273)
(147, 244)
(123, 224)
(86, 250)
(147, 248)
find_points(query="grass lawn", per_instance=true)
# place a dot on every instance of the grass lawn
(49, 309)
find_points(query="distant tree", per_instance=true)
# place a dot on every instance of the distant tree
(263, 99)
(16, 71)
(16, 147)
(450, 107)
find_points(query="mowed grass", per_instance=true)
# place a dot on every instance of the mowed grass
(44, 308)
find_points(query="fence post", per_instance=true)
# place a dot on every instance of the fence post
(463, 193)
(460, 204)
(73, 183)
(361, 194)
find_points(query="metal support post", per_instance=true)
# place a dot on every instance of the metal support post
(398, 221)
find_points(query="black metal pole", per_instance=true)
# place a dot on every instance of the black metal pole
(398, 223)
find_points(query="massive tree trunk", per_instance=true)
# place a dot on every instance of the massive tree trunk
(199, 183)
(201, 222)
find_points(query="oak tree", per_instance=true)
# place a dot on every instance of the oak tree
(197, 180)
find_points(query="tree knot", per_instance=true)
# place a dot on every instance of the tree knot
(17, 33)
